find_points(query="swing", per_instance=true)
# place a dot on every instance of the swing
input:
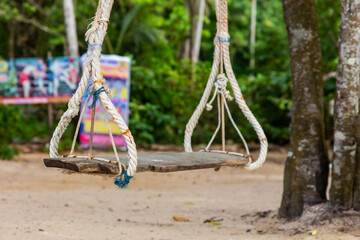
(124, 167)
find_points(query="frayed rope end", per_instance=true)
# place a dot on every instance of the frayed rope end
(123, 180)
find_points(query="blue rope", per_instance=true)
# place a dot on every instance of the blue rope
(96, 96)
(223, 40)
(123, 180)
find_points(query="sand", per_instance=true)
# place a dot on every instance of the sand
(40, 203)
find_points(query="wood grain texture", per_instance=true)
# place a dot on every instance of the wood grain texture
(163, 162)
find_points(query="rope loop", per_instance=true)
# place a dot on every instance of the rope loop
(222, 61)
(91, 69)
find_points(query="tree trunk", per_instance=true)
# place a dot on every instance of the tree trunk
(346, 105)
(306, 169)
(198, 32)
(191, 6)
(70, 27)
(356, 200)
(187, 49)
(11, 51)
(253, 33)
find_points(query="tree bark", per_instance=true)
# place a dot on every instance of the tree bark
(70, 27)
(306, 169)
(356, 200)
(346, 105)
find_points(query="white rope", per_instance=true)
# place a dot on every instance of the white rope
(111, 138)
(190, 126)
(78, 126)
(220, 90)
(95, 36)
(237, 129)
(218, 126)
(222, 41)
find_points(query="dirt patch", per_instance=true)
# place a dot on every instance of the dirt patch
(316, 221)
(40, 203)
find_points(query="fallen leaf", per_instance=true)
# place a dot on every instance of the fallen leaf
(215, 223)
(213, 219)
(180, 219)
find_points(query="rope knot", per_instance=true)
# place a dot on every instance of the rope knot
(209, 107)
(96, 96)
(123, 180)
(224, 37)
(220, 88)
(220, 84)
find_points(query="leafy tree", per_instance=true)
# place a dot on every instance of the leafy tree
(153, 33)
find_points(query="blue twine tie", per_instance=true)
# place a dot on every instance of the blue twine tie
(87, 91)
(123, 180)
(223, 40)
(96, 96)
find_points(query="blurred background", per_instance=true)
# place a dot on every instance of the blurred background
(166, 80)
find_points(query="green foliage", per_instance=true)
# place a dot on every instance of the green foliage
(19, 124)
(14, 128)
(162, 81)
(8, 130)
(328, 12)
(36, 27)
(7, 152)
(271, 93)
(153, 33)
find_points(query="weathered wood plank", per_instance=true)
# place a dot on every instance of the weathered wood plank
(163, 162)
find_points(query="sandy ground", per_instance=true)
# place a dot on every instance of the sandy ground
(40, 203)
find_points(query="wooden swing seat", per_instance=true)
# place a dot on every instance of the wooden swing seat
(160, 162)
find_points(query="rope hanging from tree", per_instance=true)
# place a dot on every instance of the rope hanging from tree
(219, 81)
(95, 36)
